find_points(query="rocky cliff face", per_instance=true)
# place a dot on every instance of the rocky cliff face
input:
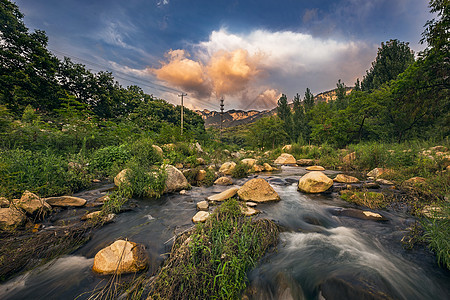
(231, 118)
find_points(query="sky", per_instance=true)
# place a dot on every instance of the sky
(246, 52)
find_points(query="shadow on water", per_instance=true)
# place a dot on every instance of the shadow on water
(320, 255)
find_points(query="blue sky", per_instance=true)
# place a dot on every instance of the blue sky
(245, 51)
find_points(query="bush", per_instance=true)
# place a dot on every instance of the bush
(144, 154)
(103, 160)
(240, 171)
(145, 183)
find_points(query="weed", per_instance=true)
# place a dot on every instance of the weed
(240, 170)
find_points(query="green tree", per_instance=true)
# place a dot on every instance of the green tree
(393, 58)
(267, 132)
(285, 114)
(308, 100)
(340, 102)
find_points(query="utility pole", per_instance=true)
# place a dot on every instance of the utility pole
(221, 117)
(182, 106)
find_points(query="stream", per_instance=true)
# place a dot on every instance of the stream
(321, 254)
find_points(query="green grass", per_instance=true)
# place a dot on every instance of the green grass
(212, 261)
(240, 171)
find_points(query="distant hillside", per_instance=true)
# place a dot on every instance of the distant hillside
(234, 117)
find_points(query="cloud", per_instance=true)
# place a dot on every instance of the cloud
(184, 73)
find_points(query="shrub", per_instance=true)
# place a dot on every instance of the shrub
(103, 160)
(144, 154)
(240, 171)
(145, 183)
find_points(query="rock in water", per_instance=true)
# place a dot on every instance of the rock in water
(223, 181)
(175, 180)
(248, 162)
(224, 195)
(65, 201)
(346, 179)
(349, 158)
(378, 172)
(201, 216)
(257, 190)
(285, 159)
(203, 205)
(315, 168)
(32, 204)
(10, 218)
(121, 257)
(267, 167)
(305, 162)
(314, 182)
(201, 175)
(227, 168)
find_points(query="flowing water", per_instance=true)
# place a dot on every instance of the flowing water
(321, 254)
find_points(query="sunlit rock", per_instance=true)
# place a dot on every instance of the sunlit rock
(257, 190)
(314, 182)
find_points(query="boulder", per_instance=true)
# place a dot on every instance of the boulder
(286, 148)
(179, 166)
(342, 178)
(65, 201)
(227, 168)
(285, 159)
(223, 181)
(432, 212)
(224, 195)
(315, 168)
(201, 175)
(200, 217)
(32, 204)
(251, 204)
(175, 180)
(305, 162)
(267, 167)
(377, 172)
(197, 147)
(121, 177)
(200, 161)
(120, 257)
(158, 150)
(10, 218)
(439, 149)
(250, 162)
(257, 190)
(183, 192)
(98, 215)
(4, 203)
(203, 205)
(349, 158)
(314, 182)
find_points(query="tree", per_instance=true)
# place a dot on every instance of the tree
(340, 102)
(285, 114)
(308, 100)
(267, 132)
(27, 69)
(393, 58)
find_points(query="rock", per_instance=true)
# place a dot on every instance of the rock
(4, 203)
(175, 180)
(120, 257)
(415, 180)
(285, 159)
(224, 195)
(203, 205)
(198, 148)
(96, 180)
(200, 161)
(183, 192)
(349, 158)
(439, 149)
(286, 148)
(97, 214)
(121, 177)
(251, 204)
(103, 198)
(227, 168)
(305, 162)
(65, 201)
(257, 168)
(249, 211)
(377, 172)
(257, 190)
(32, 204)
(158, 150)
(169, 147)
(201, 175)
(179, 166)
(200, 217)
(384, 181)
(360, 214)
(11, 218)
(342, 178)
(226, 152)
(249, 162)
(314, 182)
(223, 181)
(315, 168)
(236, 155)
(267, 167)
(371, 185)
